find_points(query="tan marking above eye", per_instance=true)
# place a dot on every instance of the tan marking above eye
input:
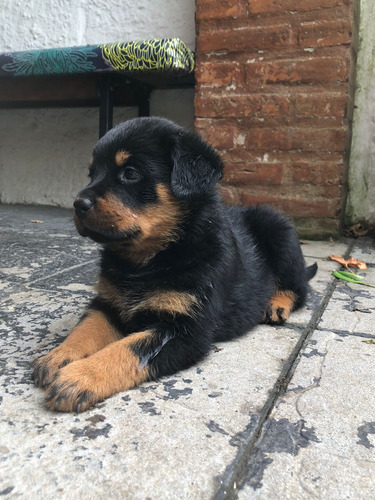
(121, 157)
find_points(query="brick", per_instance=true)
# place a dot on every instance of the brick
(253, 173)
(321, 34)
(291, 190)
(247, 38)
(324, 173)
(289, 138)
(295, 207)
(219, 134)
(239, 154)
(278, 117)
(320, 228)
(220, 9)
(226, 106)
(278, 6)
(323, 104)
(217, 74)
(299, 70)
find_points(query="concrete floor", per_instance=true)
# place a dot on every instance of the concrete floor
(282, 413)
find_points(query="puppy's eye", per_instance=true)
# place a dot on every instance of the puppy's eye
(129, 174)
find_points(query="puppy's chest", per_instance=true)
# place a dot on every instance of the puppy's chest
(131, 300)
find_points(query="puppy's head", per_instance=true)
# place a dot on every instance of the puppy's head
(144, 174)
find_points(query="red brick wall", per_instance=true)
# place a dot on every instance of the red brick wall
(272, 94)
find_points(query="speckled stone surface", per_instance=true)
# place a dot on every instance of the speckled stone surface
(284, 412)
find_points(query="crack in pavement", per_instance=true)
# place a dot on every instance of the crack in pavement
(235, 473)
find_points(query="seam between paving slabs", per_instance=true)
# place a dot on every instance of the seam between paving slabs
(62, 271)
(235, 473)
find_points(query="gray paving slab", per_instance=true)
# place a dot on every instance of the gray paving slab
(319, 440)
(352, 307)
(193, 435)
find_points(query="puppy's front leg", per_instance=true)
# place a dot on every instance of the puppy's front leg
(162, 350)
(117, 367)
(91, 334)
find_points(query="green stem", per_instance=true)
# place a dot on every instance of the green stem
(351, 278)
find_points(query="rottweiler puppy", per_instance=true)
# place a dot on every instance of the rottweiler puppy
(179, 270)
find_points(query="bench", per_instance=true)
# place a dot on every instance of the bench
(106, 75)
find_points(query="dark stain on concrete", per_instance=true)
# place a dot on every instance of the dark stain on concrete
(313, 300)
(363, 431)
(215, 427)
(172, 392)
(215, 394)
(91, 432)
(296, 389)
(313, 352)
(149, 407)
(7, 491)
(240, 438)
(95, 419)
(345, 333)
(278, 436)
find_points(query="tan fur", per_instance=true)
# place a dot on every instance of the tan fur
(121, 157)
(153, 227)
(171, 302)
(112, 213)
(113, 369)
(120, 300)
(282, 300)
(159, 301)
(90, 335)
(157, 224)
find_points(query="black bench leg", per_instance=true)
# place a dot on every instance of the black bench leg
(142, 94)
(105, 105)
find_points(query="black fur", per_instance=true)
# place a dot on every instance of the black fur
(178, 268)
(232, 260)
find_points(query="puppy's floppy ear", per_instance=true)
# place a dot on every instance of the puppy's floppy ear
(197, 167)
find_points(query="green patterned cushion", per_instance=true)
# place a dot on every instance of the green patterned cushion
(168, 54)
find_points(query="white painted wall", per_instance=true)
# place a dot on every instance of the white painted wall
(44, 153)
(361, 196)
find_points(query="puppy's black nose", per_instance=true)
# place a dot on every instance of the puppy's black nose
(82, 206)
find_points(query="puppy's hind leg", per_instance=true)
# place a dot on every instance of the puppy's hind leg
(283, 301)
(279, 246)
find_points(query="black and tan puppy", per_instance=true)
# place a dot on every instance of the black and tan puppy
(179, 270)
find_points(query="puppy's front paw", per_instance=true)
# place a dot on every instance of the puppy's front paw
(46, 367)
(73, 388)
